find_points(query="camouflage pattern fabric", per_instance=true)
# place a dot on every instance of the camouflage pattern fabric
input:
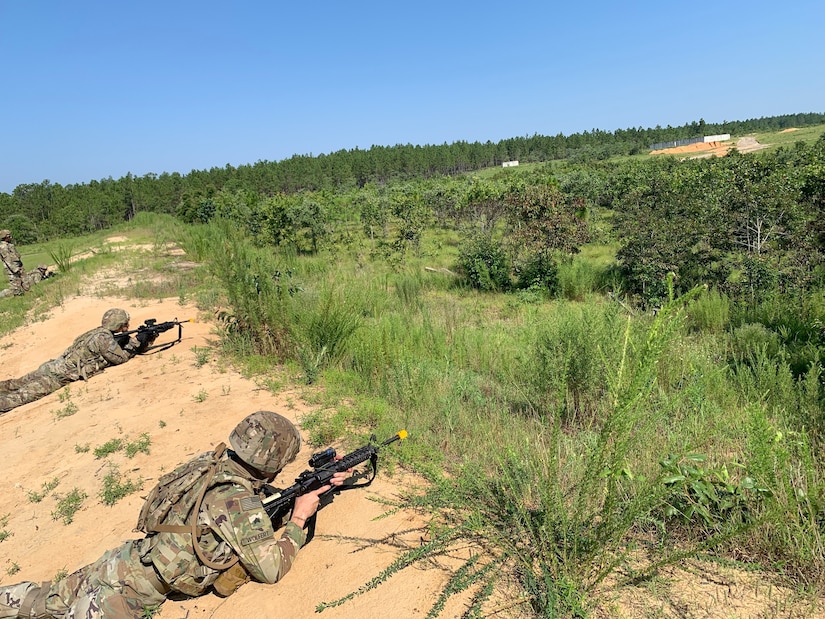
(115, 586)
(266, 440)
(35, 277)
(237, 525)
(10, 258)
(46, 379)
(119, 585)
(88, 355)
(12, 597)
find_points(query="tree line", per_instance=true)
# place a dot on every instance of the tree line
(41, 211)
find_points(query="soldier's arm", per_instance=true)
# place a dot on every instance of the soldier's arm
(110, 350)
(242, 523)
(12, 260)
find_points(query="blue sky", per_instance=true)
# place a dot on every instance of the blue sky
(94, 89)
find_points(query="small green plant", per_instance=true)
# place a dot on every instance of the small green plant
(114, 488)
(82, 449)
(161, 424)
(65, 395)
(109, 447)
(141, 445)
(69, 505)
(225, 390)
(150, 611)
(67, 411)
(48, 486)
(201, 355)
(61, 255)
(4, 520)
(60, 575)
(707, 496)
(13, 569)
(200, 396)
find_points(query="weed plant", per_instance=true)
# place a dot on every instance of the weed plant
(115, 487)
(109, 447)
(69, 505)
(555, 433)
(48, 486)
(4, 521)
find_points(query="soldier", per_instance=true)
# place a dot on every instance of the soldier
(218, 526)
(38, 275)
(32, 277)
(88, 355)
(12, 262)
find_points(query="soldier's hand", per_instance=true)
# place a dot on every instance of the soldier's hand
(146, 337)
(307, 504)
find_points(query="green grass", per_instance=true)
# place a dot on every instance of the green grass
(48, 486)
(558, 436)
(115, 487)
(69, 505)
(4, 534)
(109, 447)
(789, 138)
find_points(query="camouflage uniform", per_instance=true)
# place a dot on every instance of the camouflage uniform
(36, 276)
(140, 573)
(13, 264)
(88, 355)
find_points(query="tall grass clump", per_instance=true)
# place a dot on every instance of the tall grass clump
(258, 289)
(62, 253)
(572, 349)
(579, 278)
(710, 312)
(789, 532)
(324, 321)
(554, 508)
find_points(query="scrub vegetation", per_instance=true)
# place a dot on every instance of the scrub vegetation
(605, 365)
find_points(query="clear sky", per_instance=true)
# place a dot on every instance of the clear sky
(94, 89)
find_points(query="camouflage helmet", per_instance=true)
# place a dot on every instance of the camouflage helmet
(42, 267)
(4, 233)
(266, 441)
(114, 319)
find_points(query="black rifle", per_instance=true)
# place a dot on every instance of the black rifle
(278, 503)
(149, 331)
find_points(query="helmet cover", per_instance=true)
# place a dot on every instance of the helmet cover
(266, 441)
(115, 319)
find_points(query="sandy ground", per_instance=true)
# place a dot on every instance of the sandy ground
(185, 410)
(710, 149)
(186, 407)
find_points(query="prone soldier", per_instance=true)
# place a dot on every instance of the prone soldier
(195, 540)
(88, 355)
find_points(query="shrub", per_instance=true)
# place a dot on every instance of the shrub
(484, 263)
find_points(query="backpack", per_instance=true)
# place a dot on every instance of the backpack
(177, 496)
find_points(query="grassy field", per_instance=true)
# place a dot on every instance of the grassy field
(567, 438)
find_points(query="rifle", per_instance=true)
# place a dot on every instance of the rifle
(278, 503)
(149, 331)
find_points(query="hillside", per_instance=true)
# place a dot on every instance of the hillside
(185, 407)
(186, 399)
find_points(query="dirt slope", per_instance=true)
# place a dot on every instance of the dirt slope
(185, 410)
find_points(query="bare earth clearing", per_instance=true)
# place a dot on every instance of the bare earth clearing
(713, 149)
(186, 407)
